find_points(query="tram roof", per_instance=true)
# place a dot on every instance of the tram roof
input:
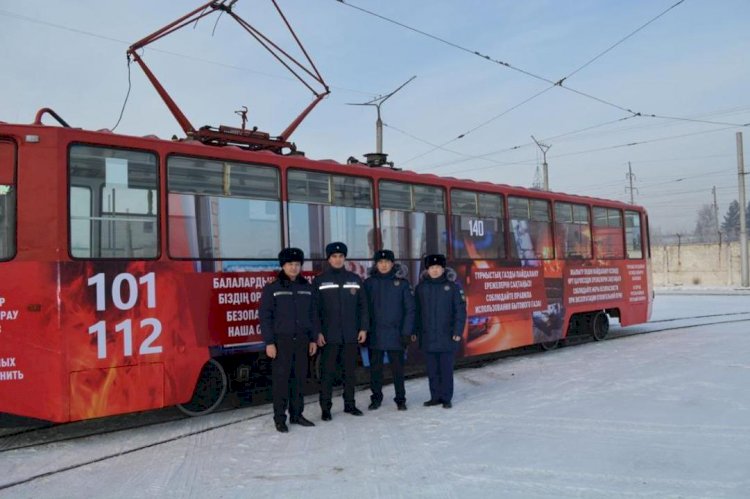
(236, 153)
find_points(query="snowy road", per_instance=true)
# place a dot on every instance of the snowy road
(665, 414)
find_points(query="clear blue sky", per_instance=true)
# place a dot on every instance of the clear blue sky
(689, 63)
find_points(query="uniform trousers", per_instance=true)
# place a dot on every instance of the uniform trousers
(396, 359)
(329, 359)
(440, 373)
(288, 375)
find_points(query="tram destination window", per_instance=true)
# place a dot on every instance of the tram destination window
(7, 200)
(531, 228)
(325, 208)
(608, 236)
(114, 200)
(477, 225)
(412, 219)
(572, 231)
(223, 210)
(633, 244)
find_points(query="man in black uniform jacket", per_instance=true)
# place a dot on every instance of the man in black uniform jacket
(441, 318)
(391, 324)
(286, 315)
(340, 319)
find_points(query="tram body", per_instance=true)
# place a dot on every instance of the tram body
(128, 265)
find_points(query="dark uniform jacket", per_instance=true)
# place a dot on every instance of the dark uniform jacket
(286, 309)
(441, 312)
(391, 308)
(340, 306)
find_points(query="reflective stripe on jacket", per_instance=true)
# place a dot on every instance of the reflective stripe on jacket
(286, 309)
(340, 306)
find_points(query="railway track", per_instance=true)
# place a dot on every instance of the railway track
(50, 435)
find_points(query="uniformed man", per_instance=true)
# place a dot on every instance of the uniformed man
(441, 316)
(286, 323)
(391, 324)
(340, 320)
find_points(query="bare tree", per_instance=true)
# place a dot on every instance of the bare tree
(706, 230)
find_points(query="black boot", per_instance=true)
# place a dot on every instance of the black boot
(301, 420)
(353, 410)
(447, 405)
(326, 415)
(432, 402)
(281, 427)
(401, 406)
(373, 405)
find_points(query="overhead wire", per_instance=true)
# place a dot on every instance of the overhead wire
(618, 146)
(15, 15)
(507, 149)
(622, 40)
(520, 70)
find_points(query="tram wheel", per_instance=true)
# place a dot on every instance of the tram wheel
(549, 345)
(209, 392)
(599, 326)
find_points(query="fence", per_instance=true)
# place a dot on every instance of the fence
(696, 264)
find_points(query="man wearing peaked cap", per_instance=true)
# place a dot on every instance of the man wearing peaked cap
(341, 319)
(391, 323)
(286, 323)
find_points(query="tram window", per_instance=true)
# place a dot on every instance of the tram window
(396, 196)
(217, 209)
(325, 208)
(412, 218)
(477, 225)
(531, 226)
(572, 231)
(7, 200)
(633, 246)
(113, 203)
(608, 237)
(80, 220)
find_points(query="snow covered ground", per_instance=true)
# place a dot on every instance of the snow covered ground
(665, 414)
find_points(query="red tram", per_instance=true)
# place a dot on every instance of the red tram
(131, 268)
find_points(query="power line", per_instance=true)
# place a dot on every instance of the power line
(511, 148)
(162, 51)
(622, 40)
(618, 146)
(557, 83)
(487, 122)
(404, 132)
(553, 83)
(576, 132)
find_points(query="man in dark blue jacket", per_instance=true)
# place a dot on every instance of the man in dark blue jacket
(391, 324)
(286, 323)
(441, 316)
(340, 319)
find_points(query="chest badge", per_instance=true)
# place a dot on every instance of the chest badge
(397, 283)
(447, 287)
(353, 291)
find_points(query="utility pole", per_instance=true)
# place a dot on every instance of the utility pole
(743, 206)
(544, 148)
(630, 176)
(376, 103)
